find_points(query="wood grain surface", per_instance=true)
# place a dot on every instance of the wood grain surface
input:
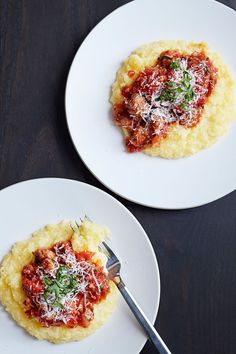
(195, 248)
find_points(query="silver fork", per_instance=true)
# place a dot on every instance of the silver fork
(113, 266)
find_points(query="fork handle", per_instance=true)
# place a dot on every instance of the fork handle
(143, 320)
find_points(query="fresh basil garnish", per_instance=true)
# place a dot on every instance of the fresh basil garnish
(57, 288)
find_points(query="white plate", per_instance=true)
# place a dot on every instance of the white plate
(28, 206)
(154, 182)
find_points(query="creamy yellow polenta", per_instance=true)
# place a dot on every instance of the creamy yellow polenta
(87, 237)
(219, 110)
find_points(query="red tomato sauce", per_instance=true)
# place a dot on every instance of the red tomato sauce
(173, 91)
(62, 286)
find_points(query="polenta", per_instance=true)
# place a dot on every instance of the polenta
(173, 98)
(71, 272)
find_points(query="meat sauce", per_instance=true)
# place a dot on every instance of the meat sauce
(173, 91)
(62, 286)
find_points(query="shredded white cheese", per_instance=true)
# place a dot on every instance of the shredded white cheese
(85, 275)
(167, 111)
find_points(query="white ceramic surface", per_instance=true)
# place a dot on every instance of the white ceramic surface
(155, 182)
(28, 206)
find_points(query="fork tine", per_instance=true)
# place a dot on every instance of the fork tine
(103, 246)
(88, 218)
(104, 250)
(111, 253)
(77, 224)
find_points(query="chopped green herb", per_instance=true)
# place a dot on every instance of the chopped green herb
(181, 91)
(167, 95)
(175, 64)
(187, 76)
(56, 288)
(189, 95)
(186, 84)
(172, 84)
(185, 107)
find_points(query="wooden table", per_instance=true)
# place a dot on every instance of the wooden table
(195, 248)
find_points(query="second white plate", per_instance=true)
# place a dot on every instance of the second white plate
(155, 182)
(28, 206)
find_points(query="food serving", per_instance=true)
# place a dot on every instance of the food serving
(172, 98)
(55, 284)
